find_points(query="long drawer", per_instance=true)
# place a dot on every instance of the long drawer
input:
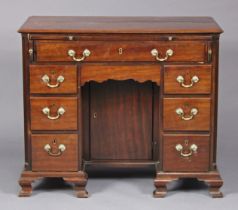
(121, 50)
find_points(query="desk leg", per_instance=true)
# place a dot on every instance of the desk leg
(212, 178)
(25, 182)
(80, 182)
(160, 183)
(78, 178)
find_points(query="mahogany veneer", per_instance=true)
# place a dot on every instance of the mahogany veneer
(68, 121)
(200, 122)
(108, 51)
(41, 161)
(120, 91)
(37, 85)
(171, 85)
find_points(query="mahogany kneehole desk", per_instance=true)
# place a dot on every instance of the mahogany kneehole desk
(120, 91)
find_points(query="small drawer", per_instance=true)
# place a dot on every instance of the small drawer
(121, 51)
(187, 153)
(53, 79)
(187, 79)
(186, 114)
(54, 113)
(56, 152)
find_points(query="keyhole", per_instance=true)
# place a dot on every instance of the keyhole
(53, 72)
(52, 105)
(94, 115)
(186, 105)
(120, 51)
(54, 141)
(186, 142)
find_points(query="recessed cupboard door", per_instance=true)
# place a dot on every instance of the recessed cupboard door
(121, 120)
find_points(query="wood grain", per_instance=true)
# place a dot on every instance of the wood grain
(103, 72)
(42, 161)
(69, 72)
(132, 51)
(59, 24)
(201, 122)
(68, 121)
(126, 37)
(203, 72)
(212, 179)
(173, 161)
(123, 126)
(78, 178)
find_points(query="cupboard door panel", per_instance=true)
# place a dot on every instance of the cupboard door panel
(121, 120)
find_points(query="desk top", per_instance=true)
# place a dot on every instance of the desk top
(84, 24)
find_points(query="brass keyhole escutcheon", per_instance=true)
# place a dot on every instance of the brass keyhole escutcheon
(94, 115)
(186, 142)
(120, 51)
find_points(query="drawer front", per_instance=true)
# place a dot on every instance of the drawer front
(101, 72)
(56, 152)
(187, 79)
(121, 50)
(53, 78)
(53, 113)
(188, 153)
(186, 114)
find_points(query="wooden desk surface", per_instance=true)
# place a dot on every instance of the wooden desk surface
(77, 24)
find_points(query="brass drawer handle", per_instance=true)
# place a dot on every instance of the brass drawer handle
(61, 149)
(193, 149)
(60, 112)
(155, 53)
(193, 112)
(72, 53)
(46, 80)
(180, 79)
